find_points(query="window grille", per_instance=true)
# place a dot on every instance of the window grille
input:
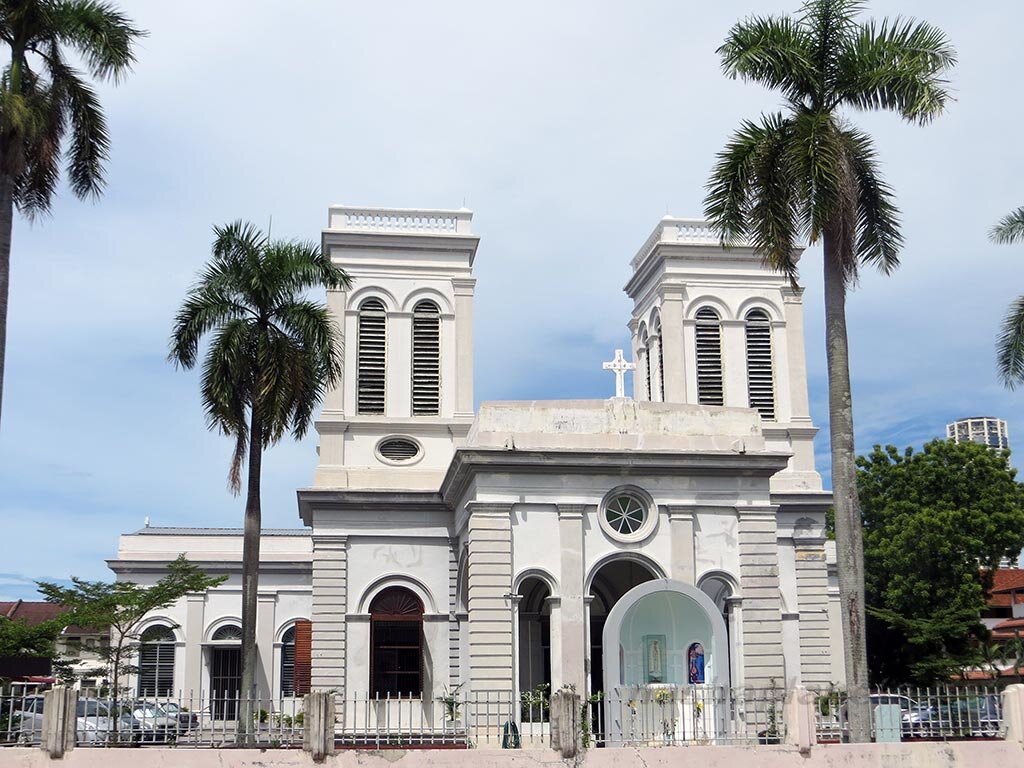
(156, 662)
(371, 364)
(710, 389)
(426, 359)
(288, 663)
(760, 378)
(396, 644)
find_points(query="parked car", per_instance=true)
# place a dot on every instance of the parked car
(971, 717)
(150, 723)
(915, 717)
(93, 722)
(186, 720)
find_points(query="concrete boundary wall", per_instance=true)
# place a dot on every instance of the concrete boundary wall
(977, 754)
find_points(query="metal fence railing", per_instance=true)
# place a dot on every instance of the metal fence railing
(943, 713)
(669, 716)
(625, 716)
(184, 720)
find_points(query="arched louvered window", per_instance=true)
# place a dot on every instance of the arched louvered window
(644, 352)
(288, 662)
(396, 644)
(156, 662)
(371, 363)
(760, 378)
(229, 633)
(426, 359)
(656, 343)
(710, 389)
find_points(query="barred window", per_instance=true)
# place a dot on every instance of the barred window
(426, 359)
(396, 644)
(760, 378)
(288, 663)
(371, 363)
(156, 661)
(710, 389)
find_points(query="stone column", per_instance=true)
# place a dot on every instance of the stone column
(681, 521)
(762, 609)
(330, 603)
(463, 287)
(195, 604)
(812, 599)
(334, 400)
(398, 388)
(571, 613)
(734, 363)
(796, 357)
(489, 601)
(265, 624)
(672, 341)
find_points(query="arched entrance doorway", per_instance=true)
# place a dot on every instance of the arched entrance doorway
(612, 579)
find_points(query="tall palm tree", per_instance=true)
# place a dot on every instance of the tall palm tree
(1010, 347)
(44, 100)
(273, 353)
(806, 172)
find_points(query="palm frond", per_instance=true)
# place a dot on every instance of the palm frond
(899, 65)
(879, 239)
(102, 35)
(90, 141)
(773, 51)
(829, 23)
(815, 157)
(1010, 228)
(1010, 346)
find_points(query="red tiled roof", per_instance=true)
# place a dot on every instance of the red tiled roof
(30, 612)
(1004, 581)
(1008, 629)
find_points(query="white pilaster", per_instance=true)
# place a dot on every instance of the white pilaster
(681, 527)
(762, 610)
(463, 288)
(571, 612)
(489, 601)
(330, 603)
(672, 341)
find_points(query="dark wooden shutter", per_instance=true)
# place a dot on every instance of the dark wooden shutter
(303, 661)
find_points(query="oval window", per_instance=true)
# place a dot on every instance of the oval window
(398, 449)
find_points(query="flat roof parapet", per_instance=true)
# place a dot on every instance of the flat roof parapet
(413, 221)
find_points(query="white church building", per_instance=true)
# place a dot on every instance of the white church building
(671, 538)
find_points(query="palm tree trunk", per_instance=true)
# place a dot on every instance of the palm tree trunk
(848, 521)
(250, 582)
(6, 224)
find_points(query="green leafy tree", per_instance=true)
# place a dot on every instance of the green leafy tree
(1010, 346)
(273, 354)
(49, 113)
(123, 606)
(936, 524)
(807, 173)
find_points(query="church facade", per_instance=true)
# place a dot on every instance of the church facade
(671, 538)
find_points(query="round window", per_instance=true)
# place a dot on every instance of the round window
(398, 450)
(627, 514)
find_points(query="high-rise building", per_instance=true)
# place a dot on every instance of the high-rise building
(985, 430)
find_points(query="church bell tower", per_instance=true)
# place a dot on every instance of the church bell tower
(406, 398)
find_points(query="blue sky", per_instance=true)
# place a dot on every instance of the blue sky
(569, 128)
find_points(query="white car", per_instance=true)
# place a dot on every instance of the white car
(93, 723)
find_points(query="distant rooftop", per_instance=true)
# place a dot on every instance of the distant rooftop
(153, 530)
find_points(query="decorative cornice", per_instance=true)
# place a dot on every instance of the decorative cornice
(571, 511)
(489, 508)
(327, 541)
(463, 285)
(683, 512)
(758, 510)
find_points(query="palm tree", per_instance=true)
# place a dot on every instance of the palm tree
(45, 100)
(806, 172)
(1010, 347)
(273, 353)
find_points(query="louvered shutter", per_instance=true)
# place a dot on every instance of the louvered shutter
(371, 364)
(426, 359)
(760, 380)
(709, 358)
(288, 663)
(156, 662)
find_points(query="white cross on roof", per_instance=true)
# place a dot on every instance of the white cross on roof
(619, 366)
